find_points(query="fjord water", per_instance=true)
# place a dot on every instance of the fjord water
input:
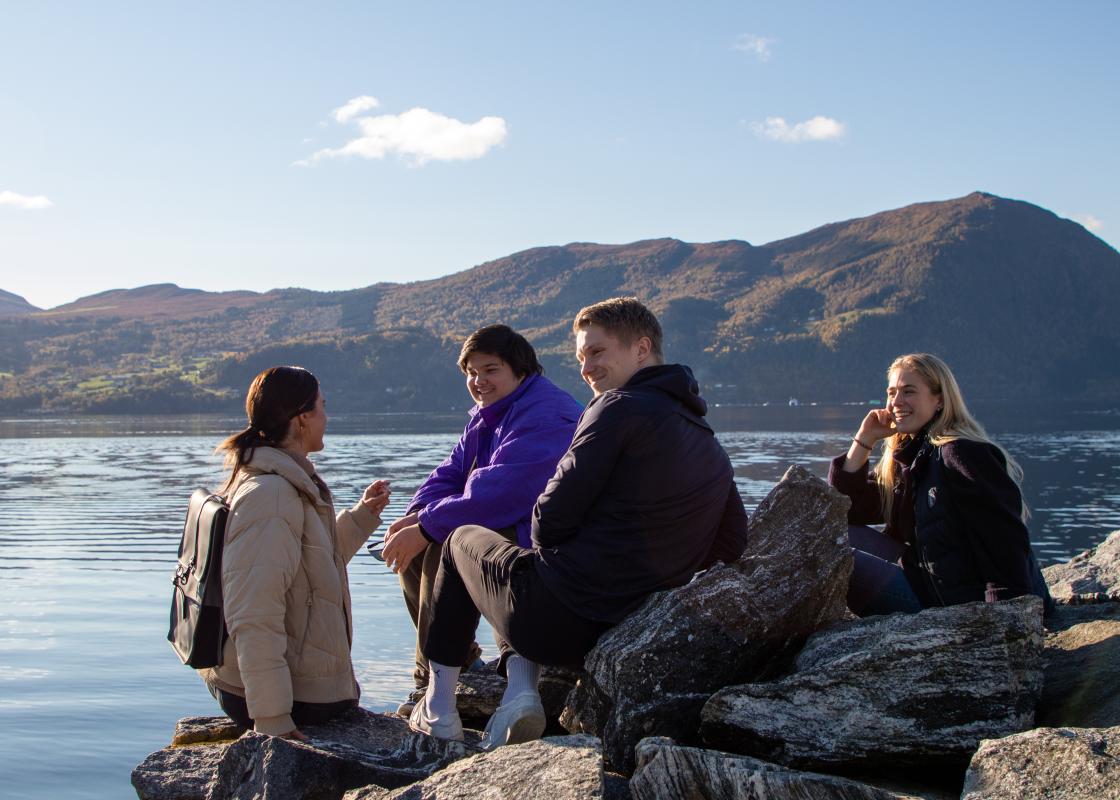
(92, 511)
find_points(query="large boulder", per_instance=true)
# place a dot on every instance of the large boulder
(356, 749)
(1050, 763)
(1082, 668)
(892, 690)
(652, 673)
(1091, 577)
(561, 768)
(666, 769)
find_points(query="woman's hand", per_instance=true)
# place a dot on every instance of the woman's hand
(376, 497)
(878, 424)
(295, 735)
(403, 545)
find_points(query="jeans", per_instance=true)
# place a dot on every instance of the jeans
(878, 584)
(302, 713)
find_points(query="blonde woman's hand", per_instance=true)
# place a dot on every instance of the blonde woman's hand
(376, 497)
(878, 424)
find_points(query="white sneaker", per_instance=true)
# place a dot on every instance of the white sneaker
(448, 726)
(520, 720)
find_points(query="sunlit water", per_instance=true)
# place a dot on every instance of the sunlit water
(90, 525)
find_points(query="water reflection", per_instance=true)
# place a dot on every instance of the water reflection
(91, 524)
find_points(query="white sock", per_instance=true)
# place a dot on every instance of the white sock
(522, 676)
(442, 681)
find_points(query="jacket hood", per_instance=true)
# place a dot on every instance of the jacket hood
(676, 380)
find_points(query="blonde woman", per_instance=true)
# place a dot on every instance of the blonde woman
(955, 517)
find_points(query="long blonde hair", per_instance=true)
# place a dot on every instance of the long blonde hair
(953, 422)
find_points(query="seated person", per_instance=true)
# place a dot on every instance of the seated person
(286, 662)
(643, 499)
(518, 429)
(955, 517)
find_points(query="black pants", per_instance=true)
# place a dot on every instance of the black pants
(302, 713)
(481, 572)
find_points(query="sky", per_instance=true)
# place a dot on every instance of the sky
(329, 146)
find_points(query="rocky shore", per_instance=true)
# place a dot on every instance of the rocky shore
(752, 681)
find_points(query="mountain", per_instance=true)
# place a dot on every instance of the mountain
(1016, 299)
(13, 304)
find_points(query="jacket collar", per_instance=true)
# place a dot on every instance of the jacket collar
(493, 413)
(295, 469)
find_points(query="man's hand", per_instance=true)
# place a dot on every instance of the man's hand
(403, 522)
(403, 545)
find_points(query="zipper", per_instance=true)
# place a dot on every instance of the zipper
(307, 626)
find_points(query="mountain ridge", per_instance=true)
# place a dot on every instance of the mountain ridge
(1005, 290)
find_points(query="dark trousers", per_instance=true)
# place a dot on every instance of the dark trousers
(481, 572)
(878, 584)
(302, 713)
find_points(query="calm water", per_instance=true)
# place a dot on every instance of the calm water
(92, 511)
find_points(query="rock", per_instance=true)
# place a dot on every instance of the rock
(892, 690)
(1051, 763)
(561, 768)
(179, 772)
(192, 730)
(480, 693)
(1082, 668)
(652, 673)
(356, 749)
(665, 769)
(1091, 577)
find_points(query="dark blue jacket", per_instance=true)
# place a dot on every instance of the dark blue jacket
(644, 498)
(958, 513)
(503, 460)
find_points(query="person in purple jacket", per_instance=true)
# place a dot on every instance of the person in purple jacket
(519, 428)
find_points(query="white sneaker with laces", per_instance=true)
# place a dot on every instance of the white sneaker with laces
(520, 720)
(448, 726)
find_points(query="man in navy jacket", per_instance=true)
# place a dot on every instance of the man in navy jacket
(644, 498)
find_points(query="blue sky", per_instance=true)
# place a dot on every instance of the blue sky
(219, 147)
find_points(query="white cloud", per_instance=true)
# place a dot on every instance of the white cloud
(817, 129)
(419, 135)
(28, 202)
(354, 107)
(1090, 222)
(752, 43)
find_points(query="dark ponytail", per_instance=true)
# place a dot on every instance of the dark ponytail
(276, 396)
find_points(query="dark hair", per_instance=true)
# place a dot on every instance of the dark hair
(624, 318)
(276, 397)
(505, 343)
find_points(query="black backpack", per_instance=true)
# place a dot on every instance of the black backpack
(198, 623)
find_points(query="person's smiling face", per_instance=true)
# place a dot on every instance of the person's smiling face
(910, 401)
(489, 379)
(605, 361)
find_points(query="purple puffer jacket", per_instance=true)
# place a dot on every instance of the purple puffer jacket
(503, 460)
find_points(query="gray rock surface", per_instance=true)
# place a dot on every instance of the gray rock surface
(561, 768)
(892, 690)
(178, 773)
(1050, 763)
(1082, 668)
(480, 693)
(651, 674)
(1092, 576)
(357, 749)
(665, 769)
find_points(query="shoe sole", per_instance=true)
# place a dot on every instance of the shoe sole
(528, 728)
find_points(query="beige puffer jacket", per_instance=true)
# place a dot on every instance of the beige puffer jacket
(286, 593)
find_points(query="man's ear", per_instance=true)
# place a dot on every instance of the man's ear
(645, 347)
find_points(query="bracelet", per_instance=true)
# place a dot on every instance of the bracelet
(861, 444)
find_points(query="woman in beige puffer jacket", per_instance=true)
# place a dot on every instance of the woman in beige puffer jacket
(284, 584)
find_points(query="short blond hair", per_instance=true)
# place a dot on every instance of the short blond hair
(624, 318)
